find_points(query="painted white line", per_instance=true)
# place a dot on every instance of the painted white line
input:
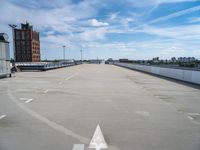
(23, 99)
(190, 118)
(78, 147)
(2, 116)
(70, 77)
(193, 114)
(28, 101)
(48, 122)
(46, 91)
(143, 113)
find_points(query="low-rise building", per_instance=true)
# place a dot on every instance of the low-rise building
(109, 61)
(156, 60)
(173, 59)
(4, 56)
(95, 61)
(186, 59)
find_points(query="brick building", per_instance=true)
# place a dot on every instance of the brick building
(27, 44)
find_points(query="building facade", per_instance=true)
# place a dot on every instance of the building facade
(4, 55)
(27, 44)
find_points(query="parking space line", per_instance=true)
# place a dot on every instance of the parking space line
(28, 101)
(68, 78)
(72, 76)
(78, 147)
(46, 91)
(23, 99)
(48, 122)
(2, 116)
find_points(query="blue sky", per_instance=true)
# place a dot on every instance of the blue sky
(109, 28)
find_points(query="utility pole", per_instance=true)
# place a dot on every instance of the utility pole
(13, 26)
(64, 52)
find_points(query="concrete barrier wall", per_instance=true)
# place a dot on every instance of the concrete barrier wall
(179, 74)
(4, 59)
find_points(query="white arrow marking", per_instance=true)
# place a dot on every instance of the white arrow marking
(2, 116)
(78, 147)
(98, 141)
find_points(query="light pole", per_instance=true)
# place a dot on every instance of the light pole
(81, 54)
(64, 52)
(13, 26)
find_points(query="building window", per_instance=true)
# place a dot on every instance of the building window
(23, 35)
(27, 35)
(17, 36)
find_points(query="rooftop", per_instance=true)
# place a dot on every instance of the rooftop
(59, 108)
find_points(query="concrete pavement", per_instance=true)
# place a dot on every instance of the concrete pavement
(56, 109)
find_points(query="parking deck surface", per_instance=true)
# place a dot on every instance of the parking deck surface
(56, 109)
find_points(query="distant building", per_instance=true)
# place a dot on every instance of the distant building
(156, 59)
(27, 44)
(4, 55)
(123, 60)
(173, 59)
(109, 61)
(186, 59)
(192, 59)
(95, 61)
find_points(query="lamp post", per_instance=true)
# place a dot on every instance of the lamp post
(64, 52)
(81, 54)
(13, 26)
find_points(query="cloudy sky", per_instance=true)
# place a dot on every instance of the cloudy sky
(134, 29)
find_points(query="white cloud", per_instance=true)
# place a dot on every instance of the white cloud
(114, 16)
(94, 34)
(194, 20)
(96, 23)
(176, 14)
(173, 1)
(146, 3)
(180, 32)
(173, 51)
(67, 23)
